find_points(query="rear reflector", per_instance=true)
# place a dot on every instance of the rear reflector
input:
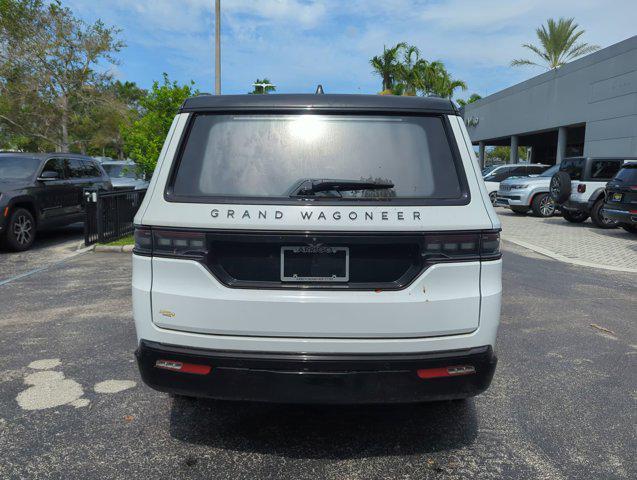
(454, 371)
(183, 367)
(581, 188)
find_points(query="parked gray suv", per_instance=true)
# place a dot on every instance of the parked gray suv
(124, 175)
(522, 194)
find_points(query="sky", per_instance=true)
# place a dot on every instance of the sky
(298, 44)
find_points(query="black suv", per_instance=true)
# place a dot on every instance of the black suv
(39, 191)
(621, 197)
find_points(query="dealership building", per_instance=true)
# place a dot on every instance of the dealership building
(587, 107)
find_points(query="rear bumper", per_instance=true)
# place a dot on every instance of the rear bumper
(622, 216)
(571, 206)
(316, 378)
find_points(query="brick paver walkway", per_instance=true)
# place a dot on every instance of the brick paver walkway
(581, 243)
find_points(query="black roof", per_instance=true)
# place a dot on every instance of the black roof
(375, 103)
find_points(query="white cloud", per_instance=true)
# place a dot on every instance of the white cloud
(298, 43)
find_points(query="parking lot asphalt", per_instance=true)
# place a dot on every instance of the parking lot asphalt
(49, 247)
(562, 404)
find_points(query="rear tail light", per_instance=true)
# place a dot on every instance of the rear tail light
(172, 243)
(453, 371)
(462, 246)
(143, 241)
(183, 367)
(581, 188)
(436, 247)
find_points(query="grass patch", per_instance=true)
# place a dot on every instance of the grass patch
(127, 240)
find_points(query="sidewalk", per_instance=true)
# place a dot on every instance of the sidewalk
(577, 243)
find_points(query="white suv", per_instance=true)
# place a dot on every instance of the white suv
(499, 174)
(317, 248)
(522, 194)
(579, 188)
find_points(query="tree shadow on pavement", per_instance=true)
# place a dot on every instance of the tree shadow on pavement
(327, 432)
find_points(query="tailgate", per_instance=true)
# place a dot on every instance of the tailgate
(443, 300)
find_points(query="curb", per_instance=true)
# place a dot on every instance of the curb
(561, 258)
(112, 248)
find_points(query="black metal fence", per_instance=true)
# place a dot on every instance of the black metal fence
(109, 214)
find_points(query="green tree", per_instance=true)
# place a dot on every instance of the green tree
(441, 83)
(405, 72)
(558, 44)
(502, 154)
(49, 78)
(387, 65)
(144, 137)
(102, 126)
(262, 87)
(474, 97)
(411, 73)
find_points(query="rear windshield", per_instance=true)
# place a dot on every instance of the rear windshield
(550, 172)
(18, 168)
(628, 174)
(120, 171)
(267, 155)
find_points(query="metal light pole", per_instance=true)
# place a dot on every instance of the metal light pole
(217, 47)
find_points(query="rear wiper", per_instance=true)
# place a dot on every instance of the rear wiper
(310, 186)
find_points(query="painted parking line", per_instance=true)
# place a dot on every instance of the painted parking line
(46, 267)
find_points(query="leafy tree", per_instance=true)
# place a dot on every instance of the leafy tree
(144, 137)
(558, 44)
(502, 154)
(441, 83)
(388, 64)
(102, 126)
(405, 72)
(411, 74)
(474, 97)
(262, 87)
(48, 71)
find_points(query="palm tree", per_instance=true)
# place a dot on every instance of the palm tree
(413, 75)
(412, 72)
(387, 64)
(474, 97)
(558, 44)
(440, 82)
(262, 87)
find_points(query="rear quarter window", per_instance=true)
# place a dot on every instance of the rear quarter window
(262, 156)
(604, 169)
(574, 168)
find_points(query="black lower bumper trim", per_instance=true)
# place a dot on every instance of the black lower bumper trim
(314, 378)
(571, 206)
(621, 216)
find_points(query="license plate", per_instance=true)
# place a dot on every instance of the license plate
(616, 197)
(314, 264)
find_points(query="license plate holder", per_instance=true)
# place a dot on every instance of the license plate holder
(314, 264)
(616, 197)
